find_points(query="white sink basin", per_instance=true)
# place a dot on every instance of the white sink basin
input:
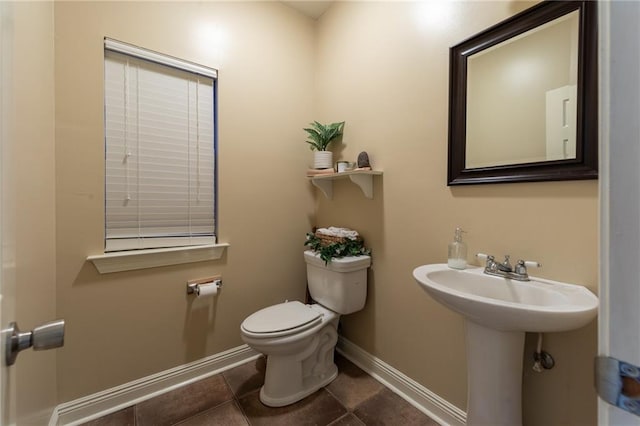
(508, 305)
(498, 311)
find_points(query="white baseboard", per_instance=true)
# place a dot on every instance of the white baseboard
(111, 400)
(413, 392)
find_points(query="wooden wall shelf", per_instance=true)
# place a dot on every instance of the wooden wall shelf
(362, 178)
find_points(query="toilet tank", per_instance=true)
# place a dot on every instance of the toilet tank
(341, 285)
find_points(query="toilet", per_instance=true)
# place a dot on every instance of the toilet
(299, 339)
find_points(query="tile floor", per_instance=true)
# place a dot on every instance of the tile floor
(231, 399)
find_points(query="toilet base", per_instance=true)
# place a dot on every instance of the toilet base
(293, 376)
(290, 399)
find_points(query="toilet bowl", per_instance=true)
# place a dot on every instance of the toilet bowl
(299, 349)
(299, 339)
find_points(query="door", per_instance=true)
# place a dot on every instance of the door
(27, 205)
(7, 247)
(619, 318)
(561, 123)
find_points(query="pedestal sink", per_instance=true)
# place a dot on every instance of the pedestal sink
(498, 311)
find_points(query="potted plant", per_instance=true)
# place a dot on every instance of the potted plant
(320, 135)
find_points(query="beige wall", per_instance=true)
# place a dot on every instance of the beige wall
(32, 208)
(124, 326)
(383, 67)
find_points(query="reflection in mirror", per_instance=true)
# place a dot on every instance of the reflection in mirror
(521, 97)
(523, 100)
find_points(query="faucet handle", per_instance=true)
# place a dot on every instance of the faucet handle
(489, 259)
(531, 264)
(485, 257)
(522, 265)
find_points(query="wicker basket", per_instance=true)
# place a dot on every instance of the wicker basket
(325, 240)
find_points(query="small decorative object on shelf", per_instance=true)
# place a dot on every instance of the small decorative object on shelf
(363, 161)
(335, 242)
(319, 137)
(342, 166)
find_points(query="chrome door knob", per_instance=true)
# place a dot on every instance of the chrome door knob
(47, 336)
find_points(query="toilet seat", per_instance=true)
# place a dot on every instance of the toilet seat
(281, 320)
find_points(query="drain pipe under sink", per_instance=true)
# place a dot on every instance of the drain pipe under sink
(542, 360)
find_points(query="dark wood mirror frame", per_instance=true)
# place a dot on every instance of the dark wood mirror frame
(585, 165)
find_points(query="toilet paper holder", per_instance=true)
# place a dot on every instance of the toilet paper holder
(192, 285)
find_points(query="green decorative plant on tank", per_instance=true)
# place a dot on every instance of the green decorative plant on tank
(331, 247)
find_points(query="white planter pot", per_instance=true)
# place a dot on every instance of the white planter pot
(322, 159)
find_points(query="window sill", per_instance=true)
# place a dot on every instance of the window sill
(142, 259)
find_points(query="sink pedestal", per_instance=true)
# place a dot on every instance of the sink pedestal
(494, 375)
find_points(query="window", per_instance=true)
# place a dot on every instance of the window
(160, 150)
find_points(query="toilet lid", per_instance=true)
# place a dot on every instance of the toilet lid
(280, 317)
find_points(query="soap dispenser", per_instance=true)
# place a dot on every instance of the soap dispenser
(457, 258)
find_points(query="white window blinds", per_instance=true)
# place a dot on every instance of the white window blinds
(160, 158)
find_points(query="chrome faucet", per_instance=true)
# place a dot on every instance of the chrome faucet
(505, 266)
(504, 269)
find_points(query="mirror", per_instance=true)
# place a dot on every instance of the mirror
(523, 98)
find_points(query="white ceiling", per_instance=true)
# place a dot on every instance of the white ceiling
(313, 9)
